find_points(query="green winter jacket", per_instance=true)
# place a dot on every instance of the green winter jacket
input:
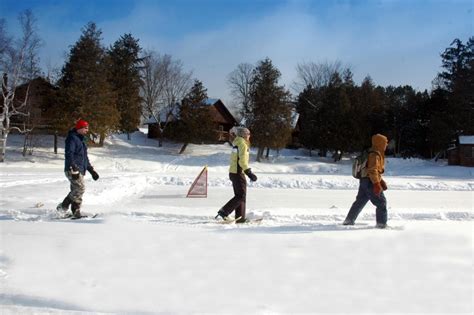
(240, 153)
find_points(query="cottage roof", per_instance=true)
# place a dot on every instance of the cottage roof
(466, 139)
(173, 111)
(210, 101)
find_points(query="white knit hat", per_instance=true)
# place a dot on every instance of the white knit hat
(242, 131)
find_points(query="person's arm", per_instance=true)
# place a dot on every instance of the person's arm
(243, 155)
(69, 150)
(373, 166)
(244, 161)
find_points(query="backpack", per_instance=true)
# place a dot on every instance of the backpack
(359, 164)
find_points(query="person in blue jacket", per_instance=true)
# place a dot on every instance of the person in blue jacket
(75, 166)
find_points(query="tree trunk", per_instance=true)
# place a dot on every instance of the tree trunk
(268, 153)
(259, 154)
(183, 148)
(160, 141)
(55, 142)
(128, 136)
(101, 139)
(3, 144)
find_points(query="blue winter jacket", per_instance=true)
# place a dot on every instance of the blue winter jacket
(76, 152)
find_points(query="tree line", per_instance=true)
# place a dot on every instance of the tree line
(115, 87)
(336, 115)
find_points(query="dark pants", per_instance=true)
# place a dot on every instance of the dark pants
(237, 203)
(363, 196)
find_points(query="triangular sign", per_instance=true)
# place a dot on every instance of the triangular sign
(199, 186)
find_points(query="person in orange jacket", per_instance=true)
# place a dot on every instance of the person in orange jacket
(371, 185)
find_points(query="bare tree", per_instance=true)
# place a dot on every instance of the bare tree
(239, 82)
(5, 42)
(315, 74)
(164, 85)
(18, 63)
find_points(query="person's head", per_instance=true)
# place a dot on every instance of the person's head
(379, 142)
(82, 127)
(243, 132)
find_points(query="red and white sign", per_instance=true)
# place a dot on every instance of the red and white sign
(199, 186)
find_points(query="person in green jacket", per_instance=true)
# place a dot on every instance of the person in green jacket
(239, 165)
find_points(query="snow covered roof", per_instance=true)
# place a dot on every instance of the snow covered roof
(466, 139)
(174, 111)
(210, 101)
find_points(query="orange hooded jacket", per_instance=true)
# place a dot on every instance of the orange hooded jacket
(376, 162)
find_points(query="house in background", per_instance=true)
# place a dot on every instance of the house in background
(39, 94)
(222, 116)
(217, 110)
(463, 153)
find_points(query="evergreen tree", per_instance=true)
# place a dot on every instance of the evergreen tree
(458, 80)
(124, 77)
(84, 91)
(307, 108)
(269, 118)
(197, 123)
(401, 116)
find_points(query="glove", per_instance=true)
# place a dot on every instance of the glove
(251, 175)
(377, 189)
(94, 174)
(383, 184)
(74, 171)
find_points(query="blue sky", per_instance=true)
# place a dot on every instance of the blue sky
(395, 42)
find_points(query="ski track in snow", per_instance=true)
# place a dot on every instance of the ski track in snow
(137, 182)
(317, 221)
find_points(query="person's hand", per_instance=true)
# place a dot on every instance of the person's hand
(383, 184)
(251, 175)
(94, 174)
(377, 189)
(74, 170)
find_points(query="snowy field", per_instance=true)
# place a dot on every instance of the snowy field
(154, 251)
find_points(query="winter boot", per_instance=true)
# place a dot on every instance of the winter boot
(64, 206)
(221, 214)
(242, 220)
(348, 222)
(381, 225)
(76, 209)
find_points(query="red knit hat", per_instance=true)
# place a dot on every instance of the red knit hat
(81, 124)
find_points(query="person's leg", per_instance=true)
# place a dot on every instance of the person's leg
(239, 195)
(242, 193)
(380, 202)
(77, 191)
(359, 203)
(64, 205)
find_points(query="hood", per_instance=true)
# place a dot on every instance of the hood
(378, 142)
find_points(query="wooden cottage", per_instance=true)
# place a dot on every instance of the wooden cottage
(217, 110)
(463, 153)
(39, 93)
(222, 116)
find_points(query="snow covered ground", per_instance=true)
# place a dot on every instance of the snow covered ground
(154, 251)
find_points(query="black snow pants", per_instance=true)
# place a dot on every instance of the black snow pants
(237, 203)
